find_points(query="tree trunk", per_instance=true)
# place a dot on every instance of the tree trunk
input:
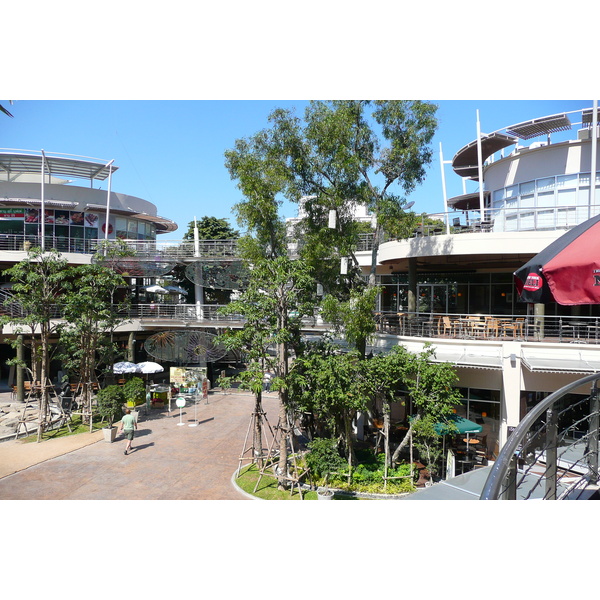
(386, 432)
(405, 440)
(257, 439)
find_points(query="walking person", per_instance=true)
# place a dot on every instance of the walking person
(129, 425)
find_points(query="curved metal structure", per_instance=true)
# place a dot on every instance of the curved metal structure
(185, 347)
(553, 453)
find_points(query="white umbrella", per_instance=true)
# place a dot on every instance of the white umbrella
(156, 289)
(150, 367)
(125, 367)
(175, 289)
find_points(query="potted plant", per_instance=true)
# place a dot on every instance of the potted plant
(324, 459)
(110, 406)
(134, 391)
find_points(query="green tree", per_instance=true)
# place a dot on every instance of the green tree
(211, 228)
(91, 316)
(330, 384)
(279, 288)
(342, 154)
(277, 297)
(354, 317)
(430, 388)
(38, 286)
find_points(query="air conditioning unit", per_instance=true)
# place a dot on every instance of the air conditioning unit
(583, 134)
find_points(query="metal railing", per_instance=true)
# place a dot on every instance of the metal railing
(158, 250)
(553, 452)
(537, 328)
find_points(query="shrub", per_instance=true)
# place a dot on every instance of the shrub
(323, 457)
(110, 403)
(134, 391)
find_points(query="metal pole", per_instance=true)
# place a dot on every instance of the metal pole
(106, 227)
(43, 206)
(480, 169)
(551, 453)
(592, 458)
(444, 191)
(594, 150)
(198, 287)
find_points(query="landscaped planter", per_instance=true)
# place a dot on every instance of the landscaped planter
(324, 494)
(110, 433)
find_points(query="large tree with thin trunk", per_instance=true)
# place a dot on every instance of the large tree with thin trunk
(340, 155)
(91, 315)
(280, 290)
(38, 286)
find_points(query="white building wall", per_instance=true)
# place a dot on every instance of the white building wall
(547, 161)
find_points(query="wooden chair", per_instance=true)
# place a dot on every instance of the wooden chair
(477, 326)
(515, 326)
(445, 326)
(492, 326)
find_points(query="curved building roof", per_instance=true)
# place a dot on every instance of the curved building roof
(465, 161)
(69, 166)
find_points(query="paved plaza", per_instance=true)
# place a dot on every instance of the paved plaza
(169, 461)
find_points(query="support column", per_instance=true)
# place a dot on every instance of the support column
(511, 389)
(412, 287)
(539, 310)
(131, 347)
(20, 378)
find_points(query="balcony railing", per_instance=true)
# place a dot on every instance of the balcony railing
(553, 452)
(539, 328)
(157, 250)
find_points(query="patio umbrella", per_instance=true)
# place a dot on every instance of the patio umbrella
(463, 426)
(157, 289)
(121, 368)
(150, 367)
(175, 289)
(567, 271)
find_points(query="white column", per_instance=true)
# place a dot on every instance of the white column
(511, 388)
(594, 142)
(480, 169)
(109, 165)
(444, 190)
(198, 288)
(43, 205)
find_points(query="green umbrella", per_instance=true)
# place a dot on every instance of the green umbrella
(462, 426)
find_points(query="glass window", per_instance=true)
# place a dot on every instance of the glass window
(527, 187)
(545, 199)
(566, 181)
(567, 198)
(545, 184)
(10, 226)
(527, 220)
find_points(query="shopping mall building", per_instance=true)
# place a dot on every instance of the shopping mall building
(458, 265)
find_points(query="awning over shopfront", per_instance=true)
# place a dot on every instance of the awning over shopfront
(477, 357)
(568, 361)
(466, 356)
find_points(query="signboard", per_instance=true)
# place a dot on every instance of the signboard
(186, 376)
(205, 389)
(450, 465)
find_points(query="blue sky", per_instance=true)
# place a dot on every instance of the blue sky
(171, 152)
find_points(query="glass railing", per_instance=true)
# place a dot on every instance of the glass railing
(553, 452)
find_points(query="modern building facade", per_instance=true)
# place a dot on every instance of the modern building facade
(530, 192)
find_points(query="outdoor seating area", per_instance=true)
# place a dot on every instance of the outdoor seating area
(470, 450)
(492, 327)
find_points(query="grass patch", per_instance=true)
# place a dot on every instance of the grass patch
(77, 427)
(267, 489)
